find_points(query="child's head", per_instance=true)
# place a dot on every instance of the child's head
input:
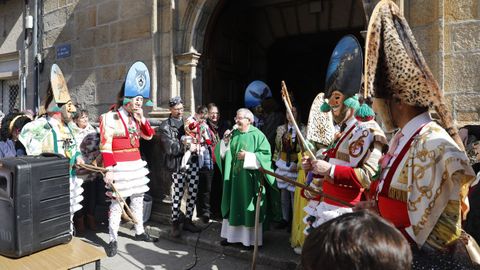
(201, 113)
(358, 240)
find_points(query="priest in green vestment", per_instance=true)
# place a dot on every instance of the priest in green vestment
(239, 155)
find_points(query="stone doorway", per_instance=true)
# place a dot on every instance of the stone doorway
(273, 40)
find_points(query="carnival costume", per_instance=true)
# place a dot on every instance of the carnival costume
(196, 133)
(425, 175)
(320, 132)
(48, 134)
(285, 157)
(355, 152)
(120, 135)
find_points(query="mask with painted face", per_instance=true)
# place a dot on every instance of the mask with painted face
(137, 86)
(57, 93)
(344, 75)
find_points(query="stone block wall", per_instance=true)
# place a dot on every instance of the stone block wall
(462, 59)
(448, 33)
(11, 26)
(105, 36)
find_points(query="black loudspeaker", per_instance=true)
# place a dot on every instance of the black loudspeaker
(34, 204)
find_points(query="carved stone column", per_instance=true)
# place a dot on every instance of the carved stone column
(186, 64)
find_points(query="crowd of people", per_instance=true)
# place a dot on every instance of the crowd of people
(387, 187)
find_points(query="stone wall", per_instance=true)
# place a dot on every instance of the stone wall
(462, 59)
(448, 33)
(105, 37)
(11, 26)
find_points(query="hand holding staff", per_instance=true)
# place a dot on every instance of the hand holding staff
(127, 211)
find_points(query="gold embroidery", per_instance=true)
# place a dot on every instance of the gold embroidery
(403, 176)
(398, 194)
(342, 156)
(364, 180)
(428, 210)
(355, 149)
(422, 163)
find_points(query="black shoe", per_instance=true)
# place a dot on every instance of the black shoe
(189, 226)
(204, 219)
(225, 243)
(181, 217)
(145, 238)
(175, 232)
(111, 249)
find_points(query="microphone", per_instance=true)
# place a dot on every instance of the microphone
(231, 132)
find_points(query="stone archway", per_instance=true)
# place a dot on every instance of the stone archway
(180, 43)
(273, 41)
(195, 62)
(191, 36)
(192, 58)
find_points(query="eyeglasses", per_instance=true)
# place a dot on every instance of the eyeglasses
(178, 109)
(240, 118)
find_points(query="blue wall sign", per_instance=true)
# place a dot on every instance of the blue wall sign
(63, 51)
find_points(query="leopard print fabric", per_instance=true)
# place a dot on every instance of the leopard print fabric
(320, 124)
(394, 65)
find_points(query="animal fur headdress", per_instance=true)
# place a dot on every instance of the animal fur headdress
(395, 67)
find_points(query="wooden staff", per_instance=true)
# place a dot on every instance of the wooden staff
(295, 183)
(288, 106)
(126, 210)
(257, 224)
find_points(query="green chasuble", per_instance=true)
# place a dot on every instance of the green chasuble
(240, 186)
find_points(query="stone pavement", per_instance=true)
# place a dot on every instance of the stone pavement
(179, 253)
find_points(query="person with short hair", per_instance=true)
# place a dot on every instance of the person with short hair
(358, 240)
(239, 155)
(199, 131)
(171, 131)
(88, 137)
(218, 126)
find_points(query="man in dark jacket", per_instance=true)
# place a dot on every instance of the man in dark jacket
(171, 130)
